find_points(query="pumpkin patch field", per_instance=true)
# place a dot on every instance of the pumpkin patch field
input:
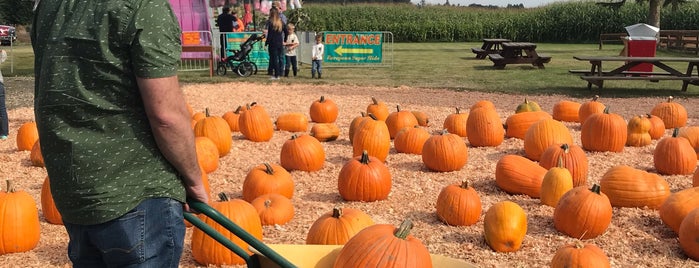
(490, 179)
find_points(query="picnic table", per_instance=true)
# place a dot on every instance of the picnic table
(596, 75)
(518, 53)
(490, 45)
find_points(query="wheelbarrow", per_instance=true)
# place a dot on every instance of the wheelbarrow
(267, 256)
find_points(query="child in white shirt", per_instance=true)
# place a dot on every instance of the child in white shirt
(318, 52)
(291, 43)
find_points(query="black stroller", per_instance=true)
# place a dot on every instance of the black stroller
(240, 62)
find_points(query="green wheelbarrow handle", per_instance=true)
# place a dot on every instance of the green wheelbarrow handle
(237, 231)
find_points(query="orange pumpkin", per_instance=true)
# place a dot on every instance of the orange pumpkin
(36, 157)
(677, 206)
(323, 110)
(364, 178)
(657, 127)
(516, 125)
(422, 119)
(207, 154)
(459, 205)
(695, 179)
(27, 135)
(604, 132)
(444, 152)
(356, 122)
(207, 251)
(481, 104)
(515, 174)
(557, 181)
(267, 179)
(19, 221)
(692, 135)
(48, 207)
(505, 226)
(629, 187)
(674, 155)
(580, 254)
(398, 120)
(302, 152)
(484, 128)
(673, 114)
(638, 131)
(689, 234)
(383, 246)
(378, 109)
(574, 159)
(566, 111)
(583, 213)
(373, 136)
(543, 134)
(232, 117)
(255, 124)
(292, 122)
(338, 226)
(456, 123)
(273, 209)
(216, 129)
(325, 131)
(411, 140)
(589, 108)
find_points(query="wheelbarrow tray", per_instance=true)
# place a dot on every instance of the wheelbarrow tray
(323, 256)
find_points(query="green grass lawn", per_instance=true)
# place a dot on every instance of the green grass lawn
(450, 66)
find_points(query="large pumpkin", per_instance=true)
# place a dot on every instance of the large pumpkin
(384, 246)
(411, 140)
(48, 207)
(689, 234)
(338, 226)
(677, 206)
(692, 135)
(672, 113)
(372, 135)
(274, 209)
(583, 213)
(444, 152)
(580, 254)
(591, 107)
(484, 128)
(629, 187)
(674, 155)
(364, 178)
(266, 179)
(505, 226)
(216, 129)
(566, 111)
(459, 205)
(323, 110)
(378, 108)
(302, 152)
(27, 135)
(543, 134)
(604, 132)
(400, 119)
(515, 174)
(255, 124)
(516, 125)
(456, 123)
(207, 251)
(19, 221)
(573, 157)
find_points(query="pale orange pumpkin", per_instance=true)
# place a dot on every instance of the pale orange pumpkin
(629, 187)
(456, 123)
(338, 226)
(459, 205)
(543, 134)
(677, 206)
(422, 119)
(378, 108)
(515, 174)
(516, 125)
(580, 254)
(589, 108)
(27, 135)
(555, 184)
(566, 111)
(325, 131)
(692, 135)
(484, 128)
(657, 127)
(273, 209)
(505, 226)
(673, 114)
(292, 122)
(638, 131)
(689, 234)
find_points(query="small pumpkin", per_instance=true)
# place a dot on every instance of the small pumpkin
(27, 135)
(384, 245)
(207, 154)
(364, 178)
(516, 125)
(456, 123)
(302, 152)
(267, 178)
(373, 136)
(692, 135)
(274, 209)
(689, 234)
(325, 131)
(484, 128)
(527, 106)
(216, 129)
(505, 226)
(638, 131)
(35, 156)
(338, 226)
(657, 127)
(580, 254)
(677, 206)
(444, 152)
(232, 117)
(556, 182)
(398, 120)
(411, 140)
(515, 174)
(589, 108)
(19, 221)
(604, 132)
(459, 205)
(323, 110)
(583, 213)
(292, 122)
(543, 134)
(629, 187)
(356, 122)
(422, 119)
(378, 108)
(255, 123)
(574, 159)
(566, 111)
(673, 114)
(674, 155)
(48, 206)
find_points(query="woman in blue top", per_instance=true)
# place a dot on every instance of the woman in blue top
(276, 32)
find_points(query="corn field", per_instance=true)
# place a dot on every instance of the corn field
(563, 22)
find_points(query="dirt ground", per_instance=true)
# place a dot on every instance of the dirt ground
(635, 238)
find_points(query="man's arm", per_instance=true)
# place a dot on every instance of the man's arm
(171, 124)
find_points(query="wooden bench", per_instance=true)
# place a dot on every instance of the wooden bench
(631, 73)
(596, 75)
(683, 40)
(611, 37)
(518, 53)
(490, 46)
(498, 60)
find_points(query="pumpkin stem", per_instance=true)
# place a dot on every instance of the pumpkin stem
(372, 116)
(363, 114)
(404, 229)
(397, 108)
(223, 197)
(294, 136)
(374, 100)
(606, 109)
(595, 188)
(675, 132)
(464, 184)
(458, 110)
(669, 99)
(268, 168)
(10, 186)
(443, 132)
(322, 99)
(337, 212)
(206, 111)
(565, 147)
(239, 109)
(579, 244)
(268, 203)
(560, 162)
(365, 158)
(595, 98)
(526, 101)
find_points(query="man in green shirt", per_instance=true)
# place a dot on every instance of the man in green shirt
(114, 129)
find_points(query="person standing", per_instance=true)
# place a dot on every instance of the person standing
(4, 121)
(292, 42)
(317, 57)
(116, 134)
(226, 22)
(276, 31)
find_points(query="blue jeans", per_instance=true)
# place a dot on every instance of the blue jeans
(4, 127)
(150, 235)
(276, 55)
(316, 67)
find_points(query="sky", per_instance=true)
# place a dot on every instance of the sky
(502, 3)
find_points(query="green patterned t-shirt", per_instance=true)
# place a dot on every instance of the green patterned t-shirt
(98, 146)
